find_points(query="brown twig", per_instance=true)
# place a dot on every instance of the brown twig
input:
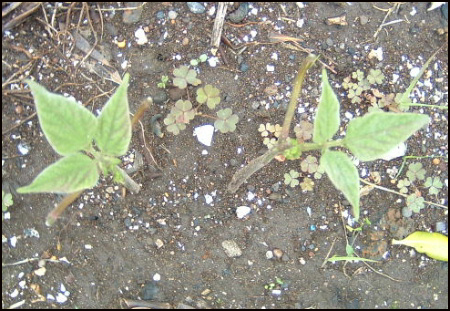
(218, 24)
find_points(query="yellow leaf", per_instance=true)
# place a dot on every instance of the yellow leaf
(434, 245)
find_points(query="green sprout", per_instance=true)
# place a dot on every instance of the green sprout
(183, 76)
(309, 165)
(163, 83)
(201, 59)
(7, 200)
(415, 171)
(290, 178)
(208, 94)
(307, 184)
(434, 184)
(226, 120)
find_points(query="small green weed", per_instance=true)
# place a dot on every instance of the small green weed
(163, 83)
(7, 201)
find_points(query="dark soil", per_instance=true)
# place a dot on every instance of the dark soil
(171, 211)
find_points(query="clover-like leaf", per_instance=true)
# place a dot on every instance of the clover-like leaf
(7, 200)
(309, 164)
(403, 184)
(304, 130)
(290, 178)
(434, 184)
(269, 142)
(415, 202)
(307, 184)
(183, 111)
(172, 126)
(183, 76)
(210, 95)
(375, 76)
(358, 75)
(319, 173)
(226, 120)
(415, 171)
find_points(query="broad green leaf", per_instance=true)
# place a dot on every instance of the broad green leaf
(434, 245)
(72, 173)
(114, 125)
(371, 136)
(344, 176)
(68, 126)
(327, 119)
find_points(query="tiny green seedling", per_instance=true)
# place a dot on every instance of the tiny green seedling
(7, 201)
(201, 59)
(184, 76)
(163, 83)
(368, 137)
(71, 129)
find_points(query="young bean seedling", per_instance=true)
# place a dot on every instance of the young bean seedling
(368, 137)
(71, 130)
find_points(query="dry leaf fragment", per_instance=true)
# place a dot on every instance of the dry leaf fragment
(338, 20)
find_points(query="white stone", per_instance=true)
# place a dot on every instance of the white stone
(270, 68)
(204, 134)
(61, 298)
(243, 211)
(88, 246)
(269, 254)
(157, 277)
(213, 61)
(414, 72)
(13, 241)
(141, 37)
(208, 199)
(40, 271)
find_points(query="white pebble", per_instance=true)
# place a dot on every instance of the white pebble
(270, 68)
(50, 297)
(253, 33)
(208, 199)
(40, 271)
(348, 115)
(157, 277)
(13, 241)
(61, 298)
(242, 211)
(204, 134)
(141, 36)
(62, 288)
(213, 61)
(414, 72)
(269, 254)
(88, 246)
(302, 261)
(15, 293)
(172, 14)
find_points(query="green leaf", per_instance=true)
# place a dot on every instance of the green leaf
(210, 95)
(69, 174)
(183, 76)
(114, 125)
(68, 126)
(7, 200)
(371, 136)
(344, 176)
(226, 120)
(327, 120)
(434, 245)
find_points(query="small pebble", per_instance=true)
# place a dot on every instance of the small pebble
(159, 243)
(149, 291)
(157, 277)
(160, 15)
(231, 248)
(243, 211)
(172, 15)
(329, 42)
(243, 67)
(196, 7)
(441, 226)
(363, 19)
(40, 271)
(269, 254)
(278, 253)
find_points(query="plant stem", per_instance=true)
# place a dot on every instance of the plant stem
(66, 201)
(130, 184)
(309, 61)
(396, 192)
(427, 105)
(256, 164)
